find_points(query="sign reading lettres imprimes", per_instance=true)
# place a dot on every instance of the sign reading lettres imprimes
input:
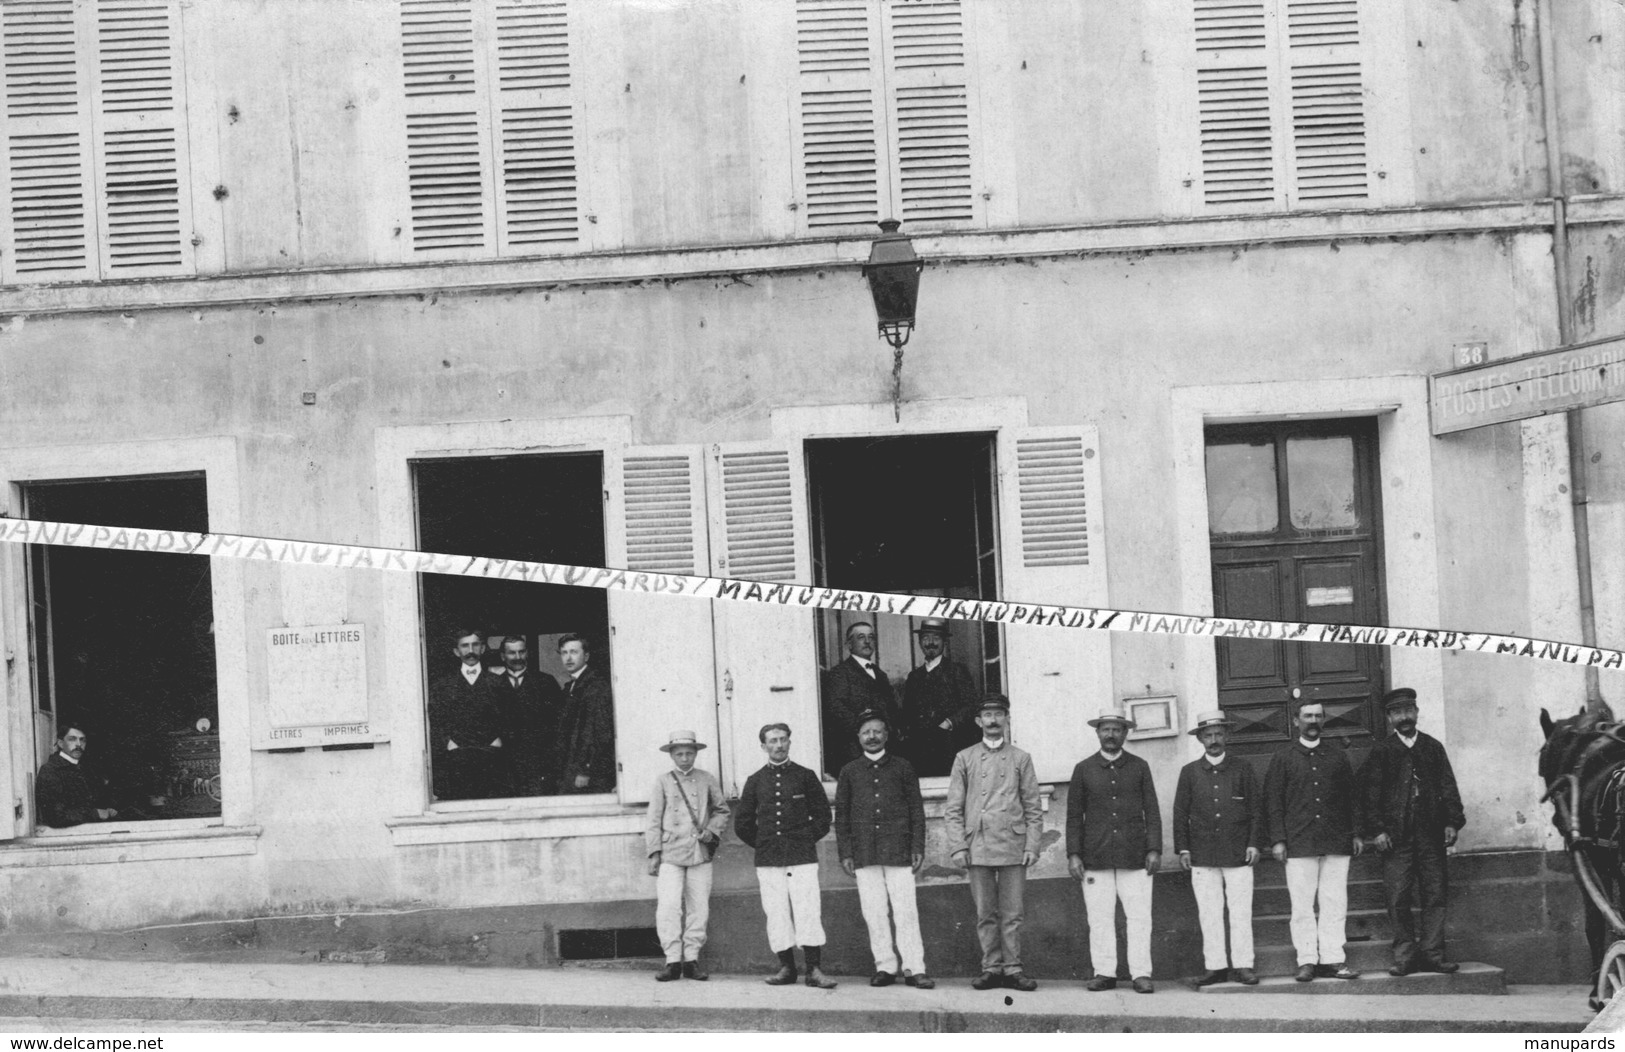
(317, 688)
(1575, 377)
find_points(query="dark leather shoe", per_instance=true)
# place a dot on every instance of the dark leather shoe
(1142, 985)
(1340, 971)
(1442, 967)
(1101, 982)
(1244, 976)
(882, 979)
(924, 982)
(1304, 973)
(815, 979)
(783, 977)
(1211, 976)
(692, 970)
(673, 970)
(1017, 981)
(986, 981)
(1399, 970)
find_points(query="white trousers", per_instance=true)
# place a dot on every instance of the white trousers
(886, 894)
(1214, 886)
(682, 907)
(1326, 877)
(1103, 889)
(790, 900)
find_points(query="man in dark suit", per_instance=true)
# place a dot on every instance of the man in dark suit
(65, 793)
(939, 704)
(529, 704)
(1413, 812)
(465, 734)
(854, 686)
(587, 731)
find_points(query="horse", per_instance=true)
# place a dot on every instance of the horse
(1583, 765)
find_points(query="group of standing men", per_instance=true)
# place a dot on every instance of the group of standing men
(1312, 813)
(516, 732)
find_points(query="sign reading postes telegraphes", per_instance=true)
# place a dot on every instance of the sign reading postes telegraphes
(1494, 392)
(317, 688)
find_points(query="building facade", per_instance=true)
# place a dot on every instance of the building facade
(549, 279)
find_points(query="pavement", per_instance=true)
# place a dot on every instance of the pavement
(249, 995)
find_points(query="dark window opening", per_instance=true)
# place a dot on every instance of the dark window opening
(905, 515)
(607, 944)
(123, 651)
(548, 733)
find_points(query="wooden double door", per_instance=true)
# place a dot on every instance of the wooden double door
(1295, 530)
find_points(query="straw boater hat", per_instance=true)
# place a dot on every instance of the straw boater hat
(682, 738)
(933, 624)
(1211, 718)
(1399, 696)
(1108, 716)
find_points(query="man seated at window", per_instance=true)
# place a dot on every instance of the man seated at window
(465, 733)
(587, 729)
(66, 793)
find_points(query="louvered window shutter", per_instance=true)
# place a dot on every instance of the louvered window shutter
(447, 126)
(1323, 69)
(842, 128)
(1237, 100)
(536, 117)
(48, 143)
(929, 105)
(662, 657)
(767, 669)
(1052, 551)
(145, 205)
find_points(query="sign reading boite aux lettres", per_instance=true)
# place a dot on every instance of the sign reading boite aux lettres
(1575, 377)
(317, 688)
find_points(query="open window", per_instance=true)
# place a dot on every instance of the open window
(535, 737)
(123, 649)
(916, 515)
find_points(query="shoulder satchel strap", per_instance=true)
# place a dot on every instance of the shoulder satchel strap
(699, 827)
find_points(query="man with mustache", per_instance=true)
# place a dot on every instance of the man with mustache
(1219, 834)
(465, 732)
(939, 703)
(65, 793)
(853, 686)
(994, 828)
(1113, 848)
(1413, 812)
(529, 704)
(1313, 810)
(880, 835)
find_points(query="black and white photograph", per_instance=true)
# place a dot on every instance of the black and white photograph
(547, 517)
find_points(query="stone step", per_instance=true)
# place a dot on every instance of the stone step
(1472, 979)
(1364, 956)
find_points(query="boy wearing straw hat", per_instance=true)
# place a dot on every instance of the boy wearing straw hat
(687, 816)
(1219, 834)
(1113, 846)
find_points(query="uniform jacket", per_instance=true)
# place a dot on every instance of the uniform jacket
(670, 831)
(587, 734)
(1395, 806)
(929, 697)
(1218, 813)
(783, 814)
(529, 716)
(1311, 800)
(992, 809)
(65, 794)
(848, 692)
(1112, 818)
(879, 815)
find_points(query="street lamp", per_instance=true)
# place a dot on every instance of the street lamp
(893, 273)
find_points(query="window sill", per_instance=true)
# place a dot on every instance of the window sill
(472, 821)
(179, 839)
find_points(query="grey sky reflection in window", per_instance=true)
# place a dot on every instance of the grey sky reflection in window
(1241, 495)
(1320, 483)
